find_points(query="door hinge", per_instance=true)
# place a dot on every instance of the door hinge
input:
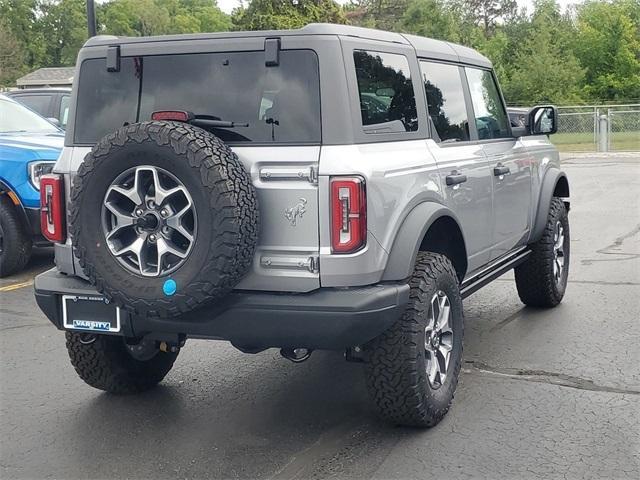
(312, 263)
(273, 173)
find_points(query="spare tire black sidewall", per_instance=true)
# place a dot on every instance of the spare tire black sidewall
(214, 264)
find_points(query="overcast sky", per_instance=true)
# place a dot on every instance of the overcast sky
(228, 5)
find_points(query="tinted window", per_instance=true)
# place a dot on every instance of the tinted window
(106, 100)
(280, 104)
(63, 114)
(387, 100)
(37, 103)
(491, 117)
(445, 99)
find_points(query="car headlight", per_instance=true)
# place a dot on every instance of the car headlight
(37, 169)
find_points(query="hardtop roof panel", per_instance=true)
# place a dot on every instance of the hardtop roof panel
(425, 47)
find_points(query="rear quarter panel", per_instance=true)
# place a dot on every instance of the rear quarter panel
(399, 176)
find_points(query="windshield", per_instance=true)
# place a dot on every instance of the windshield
(258, 104)
(18, 118)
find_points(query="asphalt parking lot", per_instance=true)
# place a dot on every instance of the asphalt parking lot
(543, 394)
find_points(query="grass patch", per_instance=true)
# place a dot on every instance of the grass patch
(584, 142)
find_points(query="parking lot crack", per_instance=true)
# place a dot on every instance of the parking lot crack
(613, 248)
(553, 378)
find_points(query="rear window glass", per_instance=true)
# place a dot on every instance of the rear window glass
(387, 101)
(106, 100)
(279, 104)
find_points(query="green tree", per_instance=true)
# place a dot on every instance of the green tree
(608, 47)
(63, 24)
(382, 14)
(544, 68)
(22, 18)
(431, 18)
(286, 14)
(11, 56)
(134, 18)
(487, 14)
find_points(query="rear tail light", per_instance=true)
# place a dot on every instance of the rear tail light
(348, 214)
(52, 221)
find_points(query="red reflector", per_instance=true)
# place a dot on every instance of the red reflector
(348, 214)
(172, 115)
(52, 221)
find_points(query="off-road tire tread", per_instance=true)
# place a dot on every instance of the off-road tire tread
(392, 362)
(106, 365)
(534, 278)
(17, 242)
(230, 189)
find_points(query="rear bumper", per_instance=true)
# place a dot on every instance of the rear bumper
(328, 318)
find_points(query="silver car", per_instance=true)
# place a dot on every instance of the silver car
(330, 187)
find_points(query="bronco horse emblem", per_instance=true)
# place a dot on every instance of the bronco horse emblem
(293, 213)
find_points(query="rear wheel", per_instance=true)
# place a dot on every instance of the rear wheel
(412, 368)
(542, 279)
(15, 243)
(108, 363)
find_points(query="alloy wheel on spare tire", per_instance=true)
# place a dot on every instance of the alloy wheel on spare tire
(164, 217)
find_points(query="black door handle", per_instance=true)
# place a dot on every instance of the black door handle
(455, 178)
(500, 170)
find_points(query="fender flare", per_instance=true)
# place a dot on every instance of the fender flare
(6, 190)
(549, 183)
(406, 244)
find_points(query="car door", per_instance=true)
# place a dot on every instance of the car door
(509, 162)
(464, 171)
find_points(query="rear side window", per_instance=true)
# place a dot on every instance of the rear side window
(387, 99)
(63, 114)
(445, 99)
(490, 114)
(37, 103)
(106, 100)
(278, 104)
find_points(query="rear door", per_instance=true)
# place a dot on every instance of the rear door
(464, 170)
(509, 163)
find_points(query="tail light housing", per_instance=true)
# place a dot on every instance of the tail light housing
(52, 221)
(348, 214)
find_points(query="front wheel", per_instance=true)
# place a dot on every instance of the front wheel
(15, 244)
(542, 279)
(412, 368)
(108, 363)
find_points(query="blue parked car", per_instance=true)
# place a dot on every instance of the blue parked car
(29, 147)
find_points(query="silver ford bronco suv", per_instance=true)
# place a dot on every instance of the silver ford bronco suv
(330, 187)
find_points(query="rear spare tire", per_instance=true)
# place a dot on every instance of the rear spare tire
(164, 218)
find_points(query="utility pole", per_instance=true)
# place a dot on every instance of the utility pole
(91, 18)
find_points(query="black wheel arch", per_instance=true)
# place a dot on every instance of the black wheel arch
(7, 193)
(554, 184)
(428, 227)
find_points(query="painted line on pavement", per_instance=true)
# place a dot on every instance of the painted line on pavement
(16, 286)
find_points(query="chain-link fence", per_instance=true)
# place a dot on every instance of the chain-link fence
(623, 128)
(577, 129)
(594, 128)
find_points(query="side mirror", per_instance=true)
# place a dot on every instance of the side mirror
(55, 121)
(543, 120)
